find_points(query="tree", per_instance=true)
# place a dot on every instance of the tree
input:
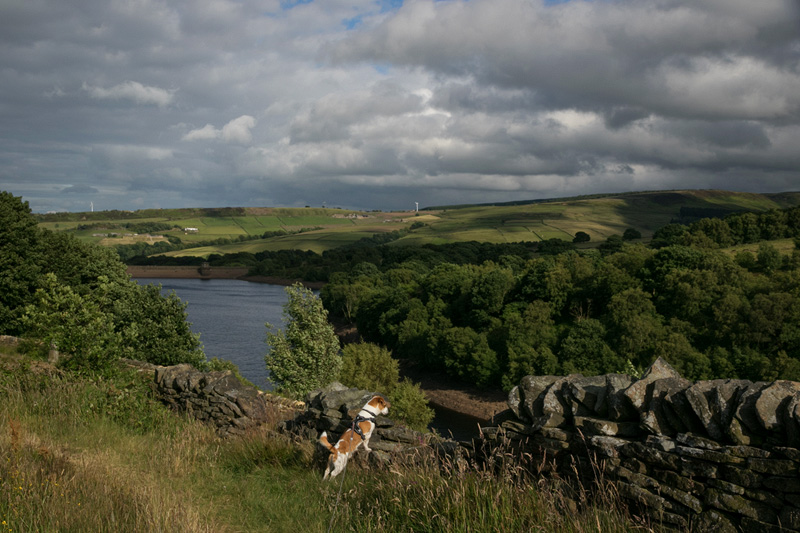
(768, 258)
(19, 271)
(467, 355)
(635, 326)
(153, 327)
(668, 235)
(306, 355)
(584, 350)
(530, 334)
(581, 236)
(631, 234)
(612, 245)
(89, 283)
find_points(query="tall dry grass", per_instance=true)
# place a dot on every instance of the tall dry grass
(428, 493)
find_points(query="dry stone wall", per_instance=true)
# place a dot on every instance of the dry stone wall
(721, 455)
(717, 455)
(217, 398)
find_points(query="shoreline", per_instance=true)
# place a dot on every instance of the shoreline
(193, 272)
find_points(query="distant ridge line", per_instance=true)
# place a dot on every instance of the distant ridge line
(607, 195)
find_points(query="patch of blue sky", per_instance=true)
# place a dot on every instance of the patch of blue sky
(382, 68)
(353, 23)
(555, 2)
(390, 5)
(290, 4)
(381, 6)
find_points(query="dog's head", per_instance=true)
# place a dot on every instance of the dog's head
(379, 405)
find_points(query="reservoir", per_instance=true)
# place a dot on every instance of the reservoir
(230, 316)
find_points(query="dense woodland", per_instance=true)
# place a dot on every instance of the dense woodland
(709, 312)
(78, 298)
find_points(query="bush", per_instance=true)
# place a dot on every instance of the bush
(217, 364)
(369, 366)
(73, 325)
(410, 406)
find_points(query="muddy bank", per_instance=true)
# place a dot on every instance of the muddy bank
(442, 391)
(192, 272)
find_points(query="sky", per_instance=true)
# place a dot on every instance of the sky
(368, 104)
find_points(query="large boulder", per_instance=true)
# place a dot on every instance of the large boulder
(587, 396)
(745, 428)
(647, 395)
(715, 402)
(531, 393)
(619, 406)
(771, 408)
(555, 407)
(637, 393)
(655, 413)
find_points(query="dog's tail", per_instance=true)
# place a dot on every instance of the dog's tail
(323, 439)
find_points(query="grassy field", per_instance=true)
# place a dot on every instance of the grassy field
(784, 246)
(83, 453)
(322, 229)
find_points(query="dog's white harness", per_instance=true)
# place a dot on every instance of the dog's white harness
(370, 417)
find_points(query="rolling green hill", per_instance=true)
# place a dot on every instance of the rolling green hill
(318, 229)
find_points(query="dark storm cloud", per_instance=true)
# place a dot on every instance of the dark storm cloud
(366, 104)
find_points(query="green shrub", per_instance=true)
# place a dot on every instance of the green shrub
(369, 366)
(410, 406)
(74, 325)
(305, 356)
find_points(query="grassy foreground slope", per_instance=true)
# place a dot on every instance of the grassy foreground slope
(317, 229)
(90, 453)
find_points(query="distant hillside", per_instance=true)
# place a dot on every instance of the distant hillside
(251, 230)
(600, 216)
(783, 199)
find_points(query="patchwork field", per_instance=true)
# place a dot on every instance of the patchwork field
(320, 229)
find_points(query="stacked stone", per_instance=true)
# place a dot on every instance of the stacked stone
(217, 398)
(333, 409)
(720, 453)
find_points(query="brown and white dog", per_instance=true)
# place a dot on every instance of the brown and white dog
(364, 425)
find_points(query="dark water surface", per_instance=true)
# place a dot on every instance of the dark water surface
(230, 316)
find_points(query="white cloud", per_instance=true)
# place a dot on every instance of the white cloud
(134, 91)
(237, 131)
(205, 133)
